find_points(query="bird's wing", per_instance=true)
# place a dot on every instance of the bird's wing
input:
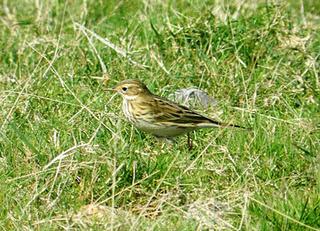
(170, 112)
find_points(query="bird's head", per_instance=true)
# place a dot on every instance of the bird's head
(131, 89)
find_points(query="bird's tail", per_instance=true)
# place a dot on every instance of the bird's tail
(212, 123)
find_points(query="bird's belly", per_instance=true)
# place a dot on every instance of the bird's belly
(161, 131)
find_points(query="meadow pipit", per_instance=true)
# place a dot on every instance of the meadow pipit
(158, 116)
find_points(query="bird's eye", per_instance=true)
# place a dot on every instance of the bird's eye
(124, 89)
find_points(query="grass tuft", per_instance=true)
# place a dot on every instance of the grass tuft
(69, 160)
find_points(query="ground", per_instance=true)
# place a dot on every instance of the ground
(69, 160)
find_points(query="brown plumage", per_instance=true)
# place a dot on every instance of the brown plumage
(159, 116)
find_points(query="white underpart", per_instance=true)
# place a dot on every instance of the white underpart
(125, 108)
(160, 131)
(130, 97)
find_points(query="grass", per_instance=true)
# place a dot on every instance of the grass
(69, 160)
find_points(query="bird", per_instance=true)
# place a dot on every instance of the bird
(159, 116)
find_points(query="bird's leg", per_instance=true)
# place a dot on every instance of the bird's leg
(190, 145)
